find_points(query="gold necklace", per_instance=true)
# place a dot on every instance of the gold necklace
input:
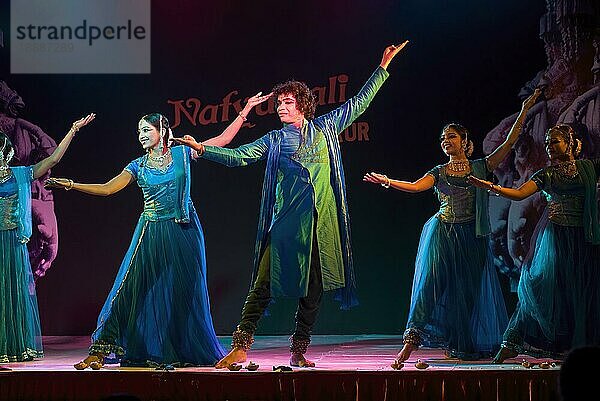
(160, 160)
(567, 169)
(458, 166)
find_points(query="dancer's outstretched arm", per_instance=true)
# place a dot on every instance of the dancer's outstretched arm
(108, 188)
(422, 184)
(42, 167)
(240, 156)
(524, 191)
(340, 118)
(232, 129)
(496, 157)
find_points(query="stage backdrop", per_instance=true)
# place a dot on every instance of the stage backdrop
(466, 62)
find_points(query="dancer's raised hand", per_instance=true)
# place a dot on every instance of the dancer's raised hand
(530, 101)
(390, 52)
(82, 122)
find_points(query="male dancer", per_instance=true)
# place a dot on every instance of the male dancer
(303, 243)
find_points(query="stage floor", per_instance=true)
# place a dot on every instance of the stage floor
(348, 367)
(330, 352)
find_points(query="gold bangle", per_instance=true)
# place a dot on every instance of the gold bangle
(243, 117)
(70, 187)
(387, 182)
(493, 191)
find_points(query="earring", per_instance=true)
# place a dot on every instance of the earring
(577, 148)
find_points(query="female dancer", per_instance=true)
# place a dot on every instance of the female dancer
(559, 301)
(158, 311)
(20, 337)
(456, 303)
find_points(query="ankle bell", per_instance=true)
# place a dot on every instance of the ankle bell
(241, 339)
(299, 346)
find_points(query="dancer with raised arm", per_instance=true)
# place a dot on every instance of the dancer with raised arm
(558, 305)
(20, 334)
(158, 310)
(303, 243)
(456, 303)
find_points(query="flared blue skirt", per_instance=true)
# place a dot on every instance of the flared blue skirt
(559, 295)
(457, 303)
(20, 334)
(158, 311)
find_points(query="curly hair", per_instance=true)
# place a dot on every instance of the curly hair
(305, 100)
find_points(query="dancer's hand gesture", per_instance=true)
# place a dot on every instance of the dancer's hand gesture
(82, 122)
(253, 101)
(530, 101)
(476, 182)
(376, 178)
(390, 52)
(58, 183)
(189, 140)
(257, 99)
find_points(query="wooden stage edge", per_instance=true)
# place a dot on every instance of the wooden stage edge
(355, 367)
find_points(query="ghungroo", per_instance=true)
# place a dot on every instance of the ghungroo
(105, 348)
(298, 345)
(412, 336)
(241, 339)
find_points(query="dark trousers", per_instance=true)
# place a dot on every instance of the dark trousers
(259, 297)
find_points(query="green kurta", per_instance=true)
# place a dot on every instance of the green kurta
(305, 196)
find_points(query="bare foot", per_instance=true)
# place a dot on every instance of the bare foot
(300, 361)
(405, 352)
(236, 355)
(504, 354)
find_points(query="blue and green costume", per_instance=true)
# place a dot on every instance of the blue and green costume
(20, 333)
(303, 243)
(158, 311)
(558, 298)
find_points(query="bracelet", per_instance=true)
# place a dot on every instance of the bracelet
(243, 116)
(491, 190)
(71, 183)
(387, 182)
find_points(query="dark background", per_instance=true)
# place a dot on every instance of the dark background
(466, 62)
